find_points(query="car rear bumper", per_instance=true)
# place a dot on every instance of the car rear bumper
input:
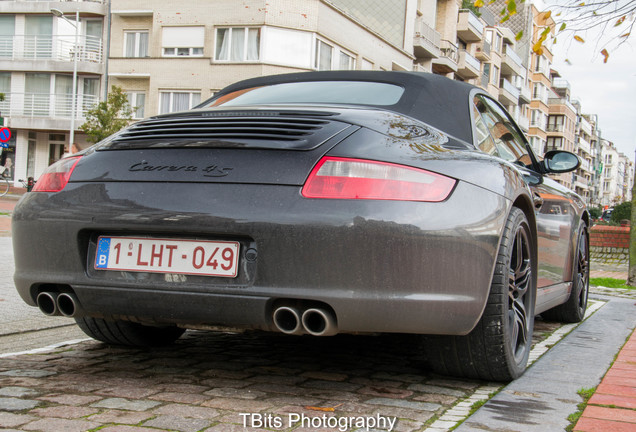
(380, 266)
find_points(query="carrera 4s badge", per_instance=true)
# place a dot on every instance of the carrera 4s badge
(212, 170)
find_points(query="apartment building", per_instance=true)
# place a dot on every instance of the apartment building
(170, 56)
(41, 57)
(561, 124)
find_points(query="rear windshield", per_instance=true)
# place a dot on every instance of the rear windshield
(319, 92)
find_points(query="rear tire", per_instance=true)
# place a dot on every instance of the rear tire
(573, 310)
(497, 349)
(128, 333)
(4, 186)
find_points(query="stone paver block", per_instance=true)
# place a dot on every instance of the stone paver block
(232, 404)
(325, 376)
(331, 385)
(128, 392)
(398, 403)
(180, 397)
(31, 373)
(424, 388)
(67, 412)
(121, 417)
(125, 428)
(125, 404)
(223, 382)
(618, 414)
(236, 393)
(182, 410)
(18, 392)
(70, 399)
(389, 392)
(596, 425)
(15, 404)
(178, 423)
(12, 420)
(57, 425)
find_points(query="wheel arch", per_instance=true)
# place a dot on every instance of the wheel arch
(524, 203)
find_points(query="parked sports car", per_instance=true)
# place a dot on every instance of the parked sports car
(314, 203)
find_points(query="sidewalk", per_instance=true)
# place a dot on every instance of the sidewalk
(613, 405)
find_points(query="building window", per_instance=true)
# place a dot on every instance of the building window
(495, 76)
(178, 101)
(136, 44)
(330, 57)
(324, 54)
(137, 101)
(183, 41)
(238, 44)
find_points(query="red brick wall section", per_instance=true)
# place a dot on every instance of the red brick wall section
(609, 237)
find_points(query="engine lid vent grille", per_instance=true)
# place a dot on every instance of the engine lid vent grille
(215, 130)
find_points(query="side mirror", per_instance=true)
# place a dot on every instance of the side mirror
(560, 161)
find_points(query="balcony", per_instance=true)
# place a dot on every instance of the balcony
(44, 110)
(468, 66)
(51, 47)
(562, 101)
(469, 27)
(426, 42)
(93, 7)
(555, 128)
(511, 63)
(508, 94)
(523, 122)
(483, 51)
(525, 96)
(447, 61)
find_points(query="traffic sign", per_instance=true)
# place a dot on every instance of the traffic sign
(5, 134)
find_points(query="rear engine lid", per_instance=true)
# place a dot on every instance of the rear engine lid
(237, 146)
(254, 128)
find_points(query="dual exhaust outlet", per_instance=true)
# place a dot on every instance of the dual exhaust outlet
(313, 321)
(56, 304)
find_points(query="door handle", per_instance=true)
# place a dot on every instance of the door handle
(538, 201)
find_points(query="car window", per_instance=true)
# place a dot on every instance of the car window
(507, 141)
(324, 92)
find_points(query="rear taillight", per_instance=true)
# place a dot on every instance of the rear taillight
(57, 175)
(343, 178)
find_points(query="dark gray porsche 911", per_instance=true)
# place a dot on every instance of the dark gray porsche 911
(314, 203)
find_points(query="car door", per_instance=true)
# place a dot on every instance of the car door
(498, 135)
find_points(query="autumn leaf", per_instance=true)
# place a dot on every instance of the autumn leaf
(562, 27)
(579, 39)
(605, 55)
(545, 33)
(504, 19)
(323, 409)
(582, 4)
(478, 3)
(547, 15)
(512, 7)
(625, 35)
(620, 21)
(537, 48)
(519, 35)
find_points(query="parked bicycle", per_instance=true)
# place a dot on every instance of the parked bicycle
(4, 182)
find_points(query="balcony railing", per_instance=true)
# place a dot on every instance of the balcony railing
(512, 56)
(472, 61)
(507, 86)
(427, 40)
(555, 128)
(57, 106)
(449, 50)
(49, 1)
(51, 47)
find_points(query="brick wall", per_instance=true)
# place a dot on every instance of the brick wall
(609, 244)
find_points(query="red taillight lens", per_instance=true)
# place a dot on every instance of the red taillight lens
(56, 176)
(343, 178)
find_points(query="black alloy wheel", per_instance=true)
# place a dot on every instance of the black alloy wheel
(497, 349)
(519, 285)
(573, 310)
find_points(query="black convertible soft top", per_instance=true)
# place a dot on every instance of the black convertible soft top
(436, 100)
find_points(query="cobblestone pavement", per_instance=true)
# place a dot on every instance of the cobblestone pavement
(212, 381)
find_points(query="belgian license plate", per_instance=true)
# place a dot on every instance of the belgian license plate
(162, 255)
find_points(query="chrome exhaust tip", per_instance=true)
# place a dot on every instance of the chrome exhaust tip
(287, 320)
(47, 302)
(68, 305)
(319, 322)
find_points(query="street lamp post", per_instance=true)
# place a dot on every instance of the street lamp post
(76, 53)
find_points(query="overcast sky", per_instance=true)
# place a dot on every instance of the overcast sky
(607, 89)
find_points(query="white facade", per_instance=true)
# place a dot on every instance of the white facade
(38, 52)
